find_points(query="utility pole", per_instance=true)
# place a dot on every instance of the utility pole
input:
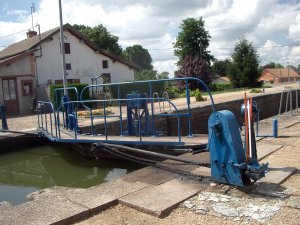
(62, 43)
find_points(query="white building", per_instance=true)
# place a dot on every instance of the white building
(28, 67)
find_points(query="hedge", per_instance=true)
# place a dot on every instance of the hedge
(137, 88)
(220, 86)
(71, 93)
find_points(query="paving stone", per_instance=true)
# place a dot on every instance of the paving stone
(294, 202)
(103, 196)
(202, 171)
(61, 205)
(277, 175)
(150, 175)
(264, 150)
(160, 200)
(58, 210)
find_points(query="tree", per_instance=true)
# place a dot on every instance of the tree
(163, 75)
(194, 66)
(146, 75)
(192, 40)
(138, 55)
(245, 61)
(101, 37)
(221, 67)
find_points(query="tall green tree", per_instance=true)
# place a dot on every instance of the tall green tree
(221, 67)
(192, 40)
(163, 75)
(245, 61)
(138, 55)
(101, 37)
(146, 75)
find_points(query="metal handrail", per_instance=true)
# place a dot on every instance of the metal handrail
(289, 99)
(42, 106)
(156, 96)
(176, 113)
(150, 82)
(165, 94)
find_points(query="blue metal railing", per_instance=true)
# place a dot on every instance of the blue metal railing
(105, 116)
(46, 117)
(150, 92)
(64, 117)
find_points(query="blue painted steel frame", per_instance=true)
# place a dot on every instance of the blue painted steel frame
(149, 82)
(73, 112)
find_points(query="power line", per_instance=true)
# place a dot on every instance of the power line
(14, 33)
(17, 32)
(273, 46)
(229, 48)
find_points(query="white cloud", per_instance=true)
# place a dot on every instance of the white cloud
(154, 24)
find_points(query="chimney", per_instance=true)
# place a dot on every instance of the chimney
(31, 33)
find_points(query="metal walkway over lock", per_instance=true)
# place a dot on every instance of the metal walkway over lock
(131, 119)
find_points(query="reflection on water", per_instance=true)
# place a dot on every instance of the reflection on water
(22, 172)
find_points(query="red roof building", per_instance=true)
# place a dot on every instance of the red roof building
(277, 76)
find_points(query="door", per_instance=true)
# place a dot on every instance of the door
(9, 87)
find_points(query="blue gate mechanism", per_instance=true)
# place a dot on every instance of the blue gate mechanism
(131, 119)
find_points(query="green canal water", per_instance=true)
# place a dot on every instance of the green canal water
(32, 169)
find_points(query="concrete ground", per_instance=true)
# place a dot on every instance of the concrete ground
(158, 193)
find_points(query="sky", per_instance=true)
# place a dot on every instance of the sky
(273, 26)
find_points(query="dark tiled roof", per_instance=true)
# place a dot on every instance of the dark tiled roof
(30, 43)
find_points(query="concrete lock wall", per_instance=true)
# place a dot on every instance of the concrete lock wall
(268, 104)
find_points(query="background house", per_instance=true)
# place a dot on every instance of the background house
(28, 67)
(277, 76)
(222, 79)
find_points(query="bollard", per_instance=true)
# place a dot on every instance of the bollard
(275, 128)
(3, 117)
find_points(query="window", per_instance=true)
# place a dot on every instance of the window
(104, 64)
(67, 48)
(58, 81)
(68, 66)
(73, 81)
(27, 87)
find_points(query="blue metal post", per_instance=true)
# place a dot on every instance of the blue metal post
(275, 128)
(152, 110)
(120, 109)
(189, 108)
(64, 100)
(3, 117)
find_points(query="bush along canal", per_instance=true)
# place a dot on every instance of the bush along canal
(32, 169)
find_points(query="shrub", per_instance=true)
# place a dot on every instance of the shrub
(71, 93)
(138, 87)
(220, 86)
(199, 96)
(256, 90)
(174, 92)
